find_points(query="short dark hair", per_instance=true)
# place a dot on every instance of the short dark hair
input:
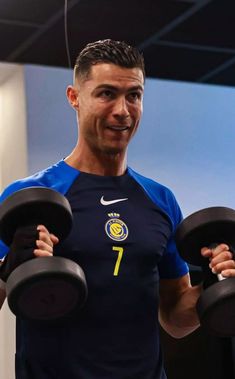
(107, 51)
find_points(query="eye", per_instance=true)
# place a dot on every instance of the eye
(106, 94)
(134, 96)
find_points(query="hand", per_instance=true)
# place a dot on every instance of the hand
(23, 248)
(221, 260)
(45, 242)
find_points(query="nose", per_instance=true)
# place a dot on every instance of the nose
(120, 109)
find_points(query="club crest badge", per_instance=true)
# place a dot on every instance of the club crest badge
(115, 228)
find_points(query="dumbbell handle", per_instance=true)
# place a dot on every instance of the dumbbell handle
(220, 277)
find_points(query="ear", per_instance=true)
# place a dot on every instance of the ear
(72, 96)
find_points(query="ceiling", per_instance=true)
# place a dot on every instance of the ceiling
(186, 40)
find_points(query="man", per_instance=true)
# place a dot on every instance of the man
(122, 237)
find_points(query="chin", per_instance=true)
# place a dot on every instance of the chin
(114, 150)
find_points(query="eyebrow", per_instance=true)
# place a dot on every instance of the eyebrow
(114, 88)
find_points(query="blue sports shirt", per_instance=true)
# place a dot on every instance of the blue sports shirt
(122, 237)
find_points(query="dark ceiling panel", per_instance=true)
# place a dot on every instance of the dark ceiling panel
(107, 20)
(225, 77)
(37, 11)
(10, 38)
(213, 25)
(132, 21)
(180, 64)
(48, 49)
(190, 40)
(116, 14)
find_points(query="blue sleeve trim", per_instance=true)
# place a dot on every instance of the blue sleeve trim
(59, 177)
(3, 249)
(171, 265)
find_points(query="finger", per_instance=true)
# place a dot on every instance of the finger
(226, 265)
(211, 253)
(219, 249)
(42, 253)
(42, 228)
(206, 252)
(44, 246)
(228, 273)
(47, 237)
(54, 239)
(221, 257)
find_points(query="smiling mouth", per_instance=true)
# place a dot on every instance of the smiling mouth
(119, 128)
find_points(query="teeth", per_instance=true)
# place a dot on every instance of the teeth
(121, 128)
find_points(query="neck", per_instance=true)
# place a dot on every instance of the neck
(91, 162)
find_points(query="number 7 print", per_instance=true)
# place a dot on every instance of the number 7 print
(119, 258)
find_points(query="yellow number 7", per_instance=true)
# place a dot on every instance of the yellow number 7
(119, 258)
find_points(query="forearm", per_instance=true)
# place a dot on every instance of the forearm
(178, 316)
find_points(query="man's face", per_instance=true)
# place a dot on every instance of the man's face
(109, 106)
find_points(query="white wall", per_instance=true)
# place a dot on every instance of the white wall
(13, 165)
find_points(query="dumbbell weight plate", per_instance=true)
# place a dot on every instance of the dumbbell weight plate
(216, 305)
(46, 288)
(34, 206)
(216, 308)
(202, 228)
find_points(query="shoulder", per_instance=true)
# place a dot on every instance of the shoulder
(59, 176)
(161, 195)
(150, 183)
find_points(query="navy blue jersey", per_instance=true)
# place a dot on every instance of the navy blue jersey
(122, 237)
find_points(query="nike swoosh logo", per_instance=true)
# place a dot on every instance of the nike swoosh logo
(110, 202)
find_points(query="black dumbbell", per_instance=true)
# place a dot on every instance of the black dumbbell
(208, 228)
(45, 288)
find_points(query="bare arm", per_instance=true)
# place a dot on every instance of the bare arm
(177, 312)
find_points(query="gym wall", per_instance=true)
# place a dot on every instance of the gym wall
(185, 141)
(13, 164)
